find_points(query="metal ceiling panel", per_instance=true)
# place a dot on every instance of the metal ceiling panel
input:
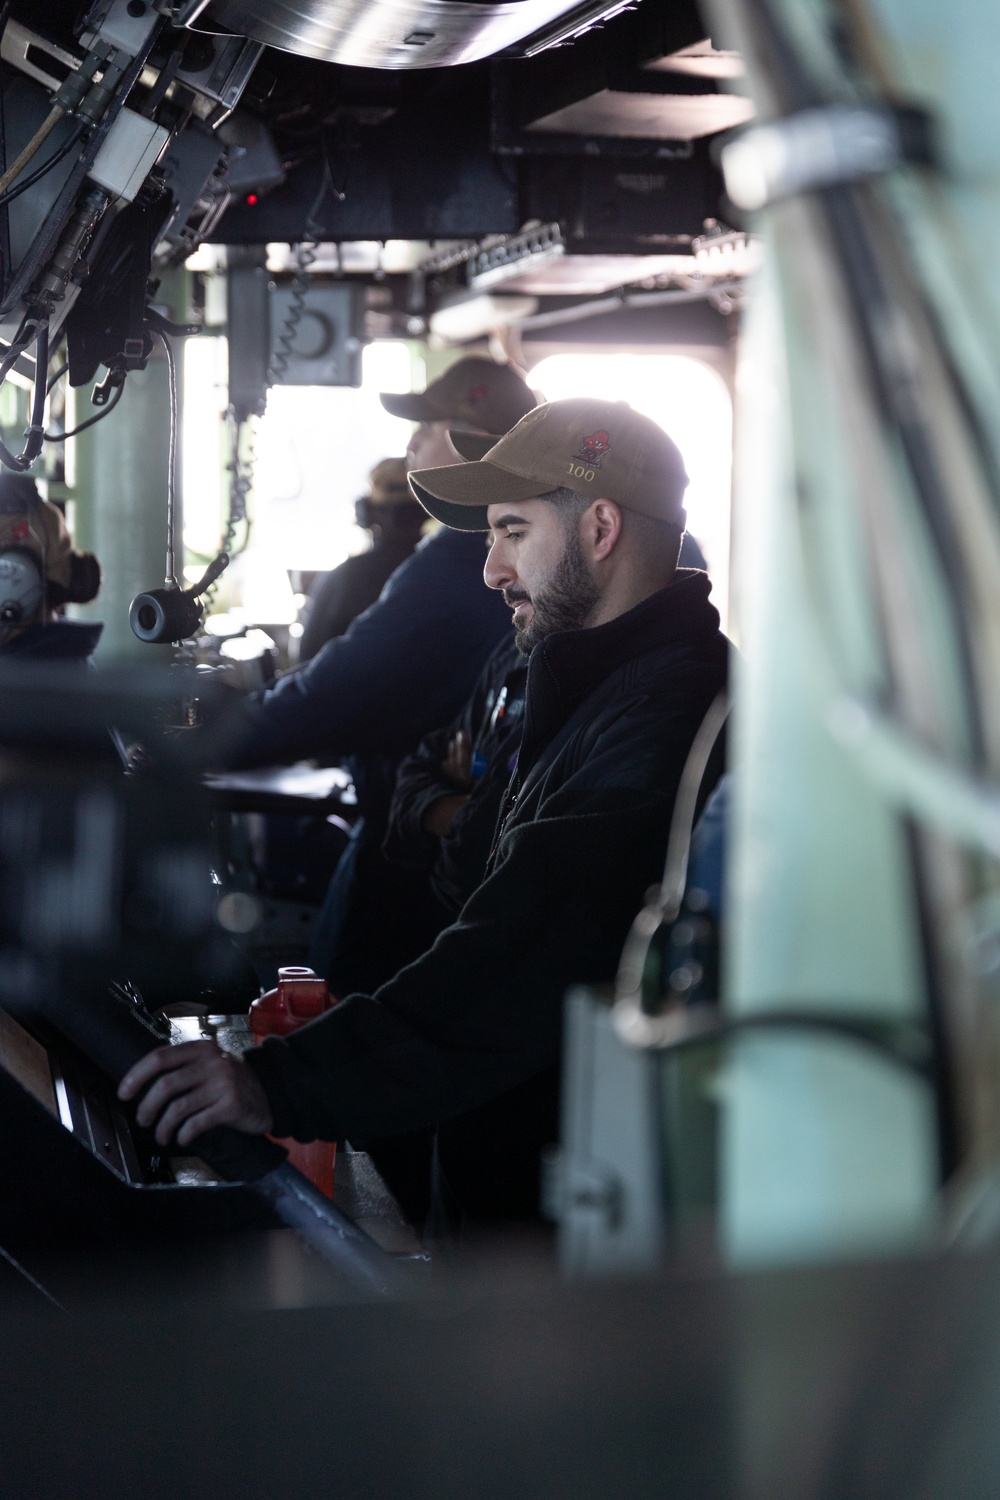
(668, 117)
(387, 33)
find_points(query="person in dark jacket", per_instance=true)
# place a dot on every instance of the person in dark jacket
(394, 522)
(402, 668)
(40, 572)
(441, 823)
(448, 792)
(583, 504)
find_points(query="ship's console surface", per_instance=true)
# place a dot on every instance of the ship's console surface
(110, 945)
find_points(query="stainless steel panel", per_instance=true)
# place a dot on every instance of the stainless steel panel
(660, 117)
(386, 33)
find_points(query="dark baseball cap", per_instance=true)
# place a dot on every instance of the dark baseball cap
(387, 483)
(474, 390)
(603, 449)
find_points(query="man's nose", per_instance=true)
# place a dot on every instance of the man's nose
(498, 573)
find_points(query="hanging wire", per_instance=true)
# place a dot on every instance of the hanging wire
(60, 437)
(40, 172)
(171, 578)
(240, 469)
(666, 904)
(241, 464)
(35, 431)
(306, 252)
(55, 378)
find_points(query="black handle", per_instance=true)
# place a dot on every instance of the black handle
(114, 1035)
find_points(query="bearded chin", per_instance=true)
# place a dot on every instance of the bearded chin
(525, 638)
(565, 601)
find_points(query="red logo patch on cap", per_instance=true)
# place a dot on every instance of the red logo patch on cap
(476, 394)
(593, 448)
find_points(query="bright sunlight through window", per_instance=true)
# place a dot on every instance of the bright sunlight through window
(315, 447)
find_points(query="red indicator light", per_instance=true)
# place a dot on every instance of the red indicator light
(251, 199)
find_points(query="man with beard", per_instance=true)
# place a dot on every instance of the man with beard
(582, 503)
(368, 697)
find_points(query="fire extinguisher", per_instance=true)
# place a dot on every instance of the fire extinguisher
(300, 996)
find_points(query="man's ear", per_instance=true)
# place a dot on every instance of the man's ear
(602, 528)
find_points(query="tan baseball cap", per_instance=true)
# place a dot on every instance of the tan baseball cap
(474, 390)
(603, 449)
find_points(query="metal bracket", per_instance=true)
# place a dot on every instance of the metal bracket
(819, 148)
(514, 255)
(101, 394)
(25, 50)
(123, 24)
(159, 324)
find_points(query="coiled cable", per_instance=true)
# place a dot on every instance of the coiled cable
(305, 253)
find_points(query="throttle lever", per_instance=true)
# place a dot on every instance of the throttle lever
(114, 1036)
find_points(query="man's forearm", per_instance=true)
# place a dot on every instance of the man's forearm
(439, 818)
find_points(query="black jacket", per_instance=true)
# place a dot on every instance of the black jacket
(368, 698)
(492, 720)
(401, 669)
(610, 717)
(56, 640)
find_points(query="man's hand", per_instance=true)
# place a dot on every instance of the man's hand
(192, 1087)
(457, 764)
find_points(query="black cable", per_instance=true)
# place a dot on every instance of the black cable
(878, 312)
(241, 481)
(860, 250)
(866, 259)
(168, 349)
(26, 333)
(35, 432)
(40, 172)
(305, 253)
(16, 1265)
(943, 1070)
(55, 379)
(167, 75)
(60, 437)
(907, 1045)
